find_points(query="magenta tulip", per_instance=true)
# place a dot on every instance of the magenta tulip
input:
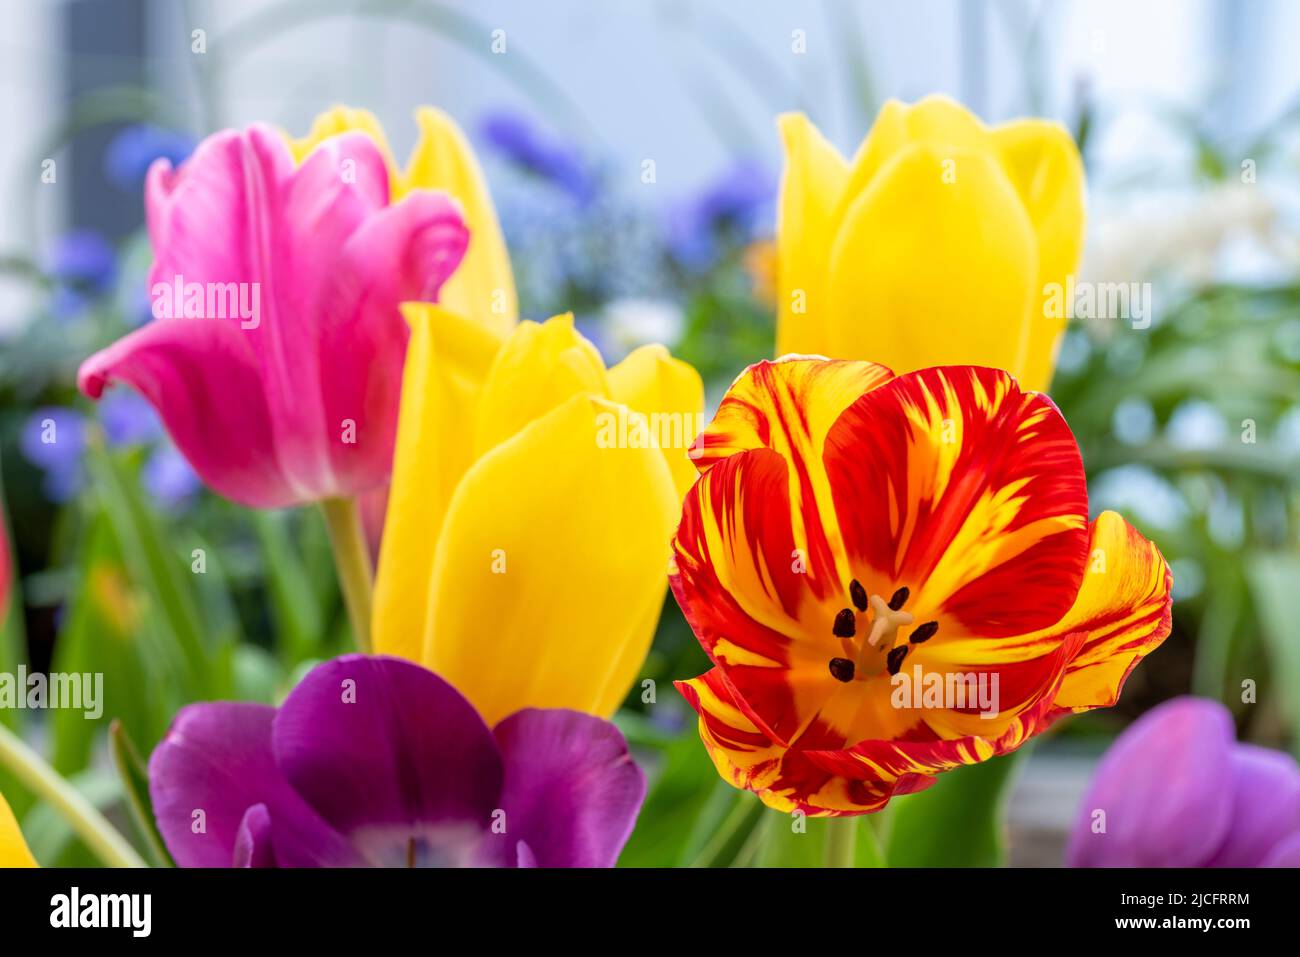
(275, 354)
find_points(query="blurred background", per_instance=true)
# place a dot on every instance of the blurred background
(1186, 113)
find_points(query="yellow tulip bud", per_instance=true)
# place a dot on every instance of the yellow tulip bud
(940, 243)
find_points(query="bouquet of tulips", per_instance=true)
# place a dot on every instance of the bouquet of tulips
(880, 537)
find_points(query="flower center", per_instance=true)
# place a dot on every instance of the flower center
(879, 648)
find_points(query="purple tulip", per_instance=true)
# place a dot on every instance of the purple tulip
(1177, 789)
(375, 761)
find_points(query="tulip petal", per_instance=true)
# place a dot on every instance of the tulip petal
(749, 599)
(1158, 797)
(1265, 806)
(930, 262)
(934, 120)
(392, 756)
(203, 379)
(538, 367)
(954, 483)
(253, 841)
(213, 765)
(483, 288)
(1043, 164)
(1286, 854)
(744, 754)
(342, 119)
(572, 790)
(811, 186)
(13, 849)
(789, 406)
(1123, 611)
(537, 603)
(653, 383)
(403, 252)
(447, 361)
(865, 776)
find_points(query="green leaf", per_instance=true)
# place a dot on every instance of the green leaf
(103, 633)
(52, 841)
(957, 821)
(135, 785)
(725, 828)
(680, 790)
(295, 607)
(1275, 581)
(163, 575)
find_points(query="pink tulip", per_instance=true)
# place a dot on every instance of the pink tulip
(275, 356)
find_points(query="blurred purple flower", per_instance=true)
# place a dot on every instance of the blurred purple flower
(1177, 790)
(52, 439)
(738, 205)
(128, 419)
(168, 478)
(134, 149)
(525, 144)
(83, 265)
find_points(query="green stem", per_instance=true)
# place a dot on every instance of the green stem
(46, 783)
(352, 560)
(841, 841)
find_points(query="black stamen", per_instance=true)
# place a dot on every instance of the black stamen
(899, 598)
(845, 626)
(842, 669)
(858, 594)
(924, 632)
(895, 659)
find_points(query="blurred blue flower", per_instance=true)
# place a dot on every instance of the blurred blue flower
(128, 419)
(53, 439)
(83, 261)
(738, 204)
(168, 478)
(133, 150)
(525, 144)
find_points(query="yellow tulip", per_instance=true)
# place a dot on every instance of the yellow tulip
(937, 244)
(13, 849)
(525, 546)
(483, 285)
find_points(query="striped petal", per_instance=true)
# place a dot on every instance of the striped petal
(789, 406)
(749, 597)
(1123, 611)
(955, 484)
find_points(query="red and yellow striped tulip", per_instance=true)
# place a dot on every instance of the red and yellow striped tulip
(850, 527)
